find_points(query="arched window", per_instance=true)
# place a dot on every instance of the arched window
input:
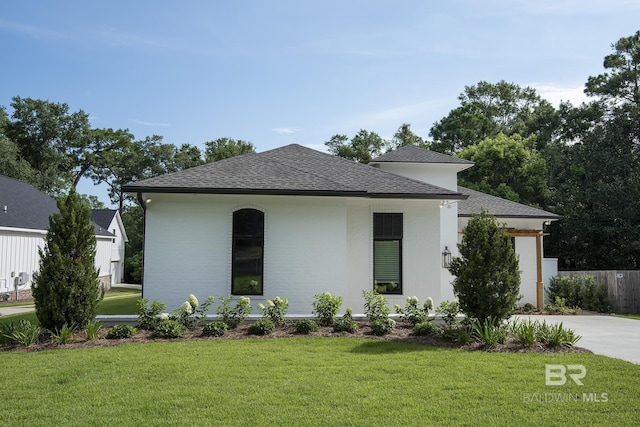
(247, 252)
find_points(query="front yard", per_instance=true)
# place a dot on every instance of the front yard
(310, 381)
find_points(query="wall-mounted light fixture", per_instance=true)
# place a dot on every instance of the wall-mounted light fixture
(446, 257)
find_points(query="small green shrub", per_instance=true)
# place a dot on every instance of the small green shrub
(169, 329)
(214, 329)
(326, 307)
(464, 334)
(233, 316)
(555, 335)
(64, 335)
(346, 323)
(382, 326)
(93, 329)
(261, 327)
(449, 311)
(412, 313)
(275, 310)
(149, 317)
(489, 333)
(425, 328)
(119, 332)
(582, 292)
(305, 326)
(6, 331)
(525, 332)
(375, 306)
(25, 333)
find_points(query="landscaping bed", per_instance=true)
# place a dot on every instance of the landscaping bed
(403, 332)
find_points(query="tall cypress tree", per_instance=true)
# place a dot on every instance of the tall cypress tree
(487, 272)
(66, 289)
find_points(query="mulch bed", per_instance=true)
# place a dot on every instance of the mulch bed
(402, 333)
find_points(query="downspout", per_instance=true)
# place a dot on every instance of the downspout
(539, 284)
(143, 205)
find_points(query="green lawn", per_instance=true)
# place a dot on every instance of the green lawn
(119, 301)
(629, 316)
(309, 381)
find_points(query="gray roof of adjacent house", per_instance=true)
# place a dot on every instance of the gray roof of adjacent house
(413, 154)
(291, 170)
(103, 217)
(24, 206)
(498, 207)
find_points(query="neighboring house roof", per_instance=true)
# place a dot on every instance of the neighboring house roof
(105, 217)
(291, 170)
(28, 207)
(498, 207)
(413, 154)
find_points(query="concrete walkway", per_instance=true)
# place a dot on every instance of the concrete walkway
(6, 311)
(607, 335)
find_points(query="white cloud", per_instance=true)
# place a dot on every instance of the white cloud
(556, 93)
(145, 123)
(287, 130)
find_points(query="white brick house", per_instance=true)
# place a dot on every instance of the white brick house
(294, 222)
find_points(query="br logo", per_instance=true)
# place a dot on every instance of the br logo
(557, 374)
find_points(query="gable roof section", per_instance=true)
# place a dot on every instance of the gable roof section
(413, 154)
(103, 217)
(27, 207)
(498, 207)
(291, 170)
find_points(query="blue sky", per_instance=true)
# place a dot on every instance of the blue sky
(280, 72)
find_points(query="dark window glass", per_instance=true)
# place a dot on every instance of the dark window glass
(247, 252)
(387, 252)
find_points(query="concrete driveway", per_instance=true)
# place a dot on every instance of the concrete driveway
(607, 335)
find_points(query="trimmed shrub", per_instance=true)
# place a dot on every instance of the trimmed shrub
(261, 327)
(412, 313)
(169, 329)
(119, 332)
(66, 289)
(305, 326)
(425, 328)
(149, 317)
(214, 329)
(275, 310)
(326, 307)
(382, 326)
(233, 316)
(487, 272)
(346, 323)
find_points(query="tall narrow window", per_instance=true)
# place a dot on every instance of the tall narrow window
(247, 252)
(387, 252)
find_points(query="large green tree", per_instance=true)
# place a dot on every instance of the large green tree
(507, 166)
(224, 148)
(598, 175)
(363, 147)
(488, 109)
(66, 289)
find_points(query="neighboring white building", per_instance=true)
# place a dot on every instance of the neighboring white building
(294, 222)
(24, 219)
(111, 221)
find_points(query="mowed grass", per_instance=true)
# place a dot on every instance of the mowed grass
(118, 301)
(308, 381)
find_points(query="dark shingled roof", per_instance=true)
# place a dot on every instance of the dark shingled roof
(103, 217)
(28, 207)
(291, 170)
(498, 207)
(413, 154)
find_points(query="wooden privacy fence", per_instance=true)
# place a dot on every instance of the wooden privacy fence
(623, 287)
